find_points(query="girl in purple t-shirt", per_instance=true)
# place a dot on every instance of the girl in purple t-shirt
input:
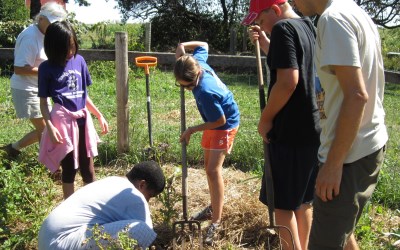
(69, 139)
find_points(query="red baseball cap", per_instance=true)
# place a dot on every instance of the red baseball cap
(256, 6)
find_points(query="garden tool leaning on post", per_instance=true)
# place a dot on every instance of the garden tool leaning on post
(272, 228)
(146, 62)
(185, 229)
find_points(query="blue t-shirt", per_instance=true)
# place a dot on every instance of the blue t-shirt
(213, 98)
(67, 85)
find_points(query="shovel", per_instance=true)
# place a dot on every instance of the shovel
(272, 228)
(146, 62)
(185, 230)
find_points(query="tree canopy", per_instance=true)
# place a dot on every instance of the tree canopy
(13, 10)
(213, 20)
(385, 13)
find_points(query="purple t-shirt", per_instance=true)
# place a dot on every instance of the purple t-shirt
(67, 85)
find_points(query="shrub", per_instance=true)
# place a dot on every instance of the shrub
(9, 32)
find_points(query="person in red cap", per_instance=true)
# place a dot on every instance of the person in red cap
(289, 122)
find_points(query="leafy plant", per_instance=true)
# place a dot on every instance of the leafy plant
(28, 196)
(169, 198)
(105, 241)
(102, 37)
(80, 28)
(9, 31)
(13, 10)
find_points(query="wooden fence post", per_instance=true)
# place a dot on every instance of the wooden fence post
(245, 37)
(147, 38)
(121, 68)
(232, 47)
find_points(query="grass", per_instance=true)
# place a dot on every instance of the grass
(27, 192)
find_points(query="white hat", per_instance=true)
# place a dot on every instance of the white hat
(53, 12)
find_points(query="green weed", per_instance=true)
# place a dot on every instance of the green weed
(104, 241)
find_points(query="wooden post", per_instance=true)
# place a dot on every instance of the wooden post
(121, 68)
(245, 37)
(232, 48)
(147, 37)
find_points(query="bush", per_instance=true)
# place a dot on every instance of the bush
(13, 10)
(390, 43)
(9, 32)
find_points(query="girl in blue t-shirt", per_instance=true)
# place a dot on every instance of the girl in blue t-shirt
(69, 139)
(221, 117)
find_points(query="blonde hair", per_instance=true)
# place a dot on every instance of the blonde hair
(52, 8)
(186, 68)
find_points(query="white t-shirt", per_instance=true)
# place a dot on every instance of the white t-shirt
(29, 50)
(102, 202)
(347, 36)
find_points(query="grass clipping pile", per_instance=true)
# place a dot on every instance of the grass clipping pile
(244, 217)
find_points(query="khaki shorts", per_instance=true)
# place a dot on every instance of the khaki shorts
(26, 103)
(334, 221)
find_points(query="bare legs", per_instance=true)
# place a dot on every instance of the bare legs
(351, 243)
(68, 189)
(299, 223)
(33, 136)
(213, 161)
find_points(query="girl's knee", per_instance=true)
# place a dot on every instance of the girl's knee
(213, 173)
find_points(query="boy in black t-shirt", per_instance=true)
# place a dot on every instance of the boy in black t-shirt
(290, 120)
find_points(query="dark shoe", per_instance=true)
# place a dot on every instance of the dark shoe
(12, 153)
(205, 214)
(211, 233)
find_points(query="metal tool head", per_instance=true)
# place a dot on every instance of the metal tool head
(187, 235)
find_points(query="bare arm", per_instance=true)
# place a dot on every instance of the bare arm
(281, 92)
(26, 70)
(96, 112)
(351, 112)
(204, 126)
(255, 33)
(180, 49)
(55, 136)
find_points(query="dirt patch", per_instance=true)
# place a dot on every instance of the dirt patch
(244, 218)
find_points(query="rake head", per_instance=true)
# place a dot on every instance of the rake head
(274, 239)
(187, 235)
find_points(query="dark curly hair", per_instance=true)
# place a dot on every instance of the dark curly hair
(149, 171)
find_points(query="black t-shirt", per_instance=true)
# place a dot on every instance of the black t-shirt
(292, 46)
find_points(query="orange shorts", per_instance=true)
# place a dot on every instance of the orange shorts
(218, 139)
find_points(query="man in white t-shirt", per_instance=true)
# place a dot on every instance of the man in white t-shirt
(115, 204)
(28, 55)
(350, 67)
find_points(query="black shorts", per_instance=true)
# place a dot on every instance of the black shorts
(294, 170)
